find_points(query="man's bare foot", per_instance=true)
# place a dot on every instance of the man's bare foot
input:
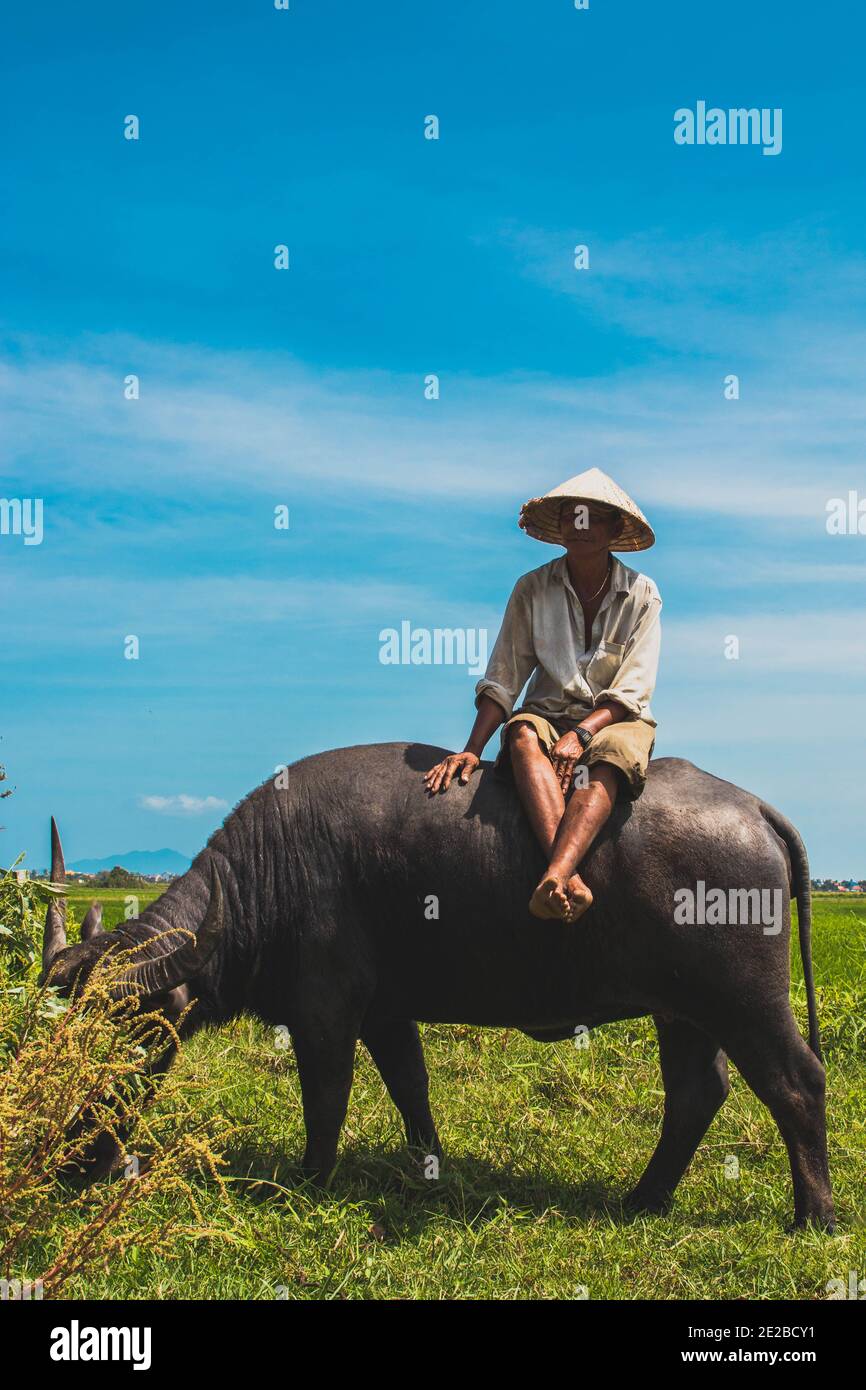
(542, 904)
(565, 899)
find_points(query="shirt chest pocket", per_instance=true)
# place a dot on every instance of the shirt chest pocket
(604, 663)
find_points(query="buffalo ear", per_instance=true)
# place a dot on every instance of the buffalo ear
(173, 1002)
(92, 924)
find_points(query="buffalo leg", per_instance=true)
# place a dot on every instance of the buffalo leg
(695, 1076)
(786, 1075)
(395, 1046)
(326, 1065)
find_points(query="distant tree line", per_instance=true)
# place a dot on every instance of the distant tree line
(116, 877)
(833, 885)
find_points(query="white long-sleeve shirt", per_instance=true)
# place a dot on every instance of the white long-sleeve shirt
(542, 636)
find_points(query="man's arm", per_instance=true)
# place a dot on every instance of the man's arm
(513, 658)
(462, 765)
(567, 752)
(610, 712)
(490, 715)
(511, 663)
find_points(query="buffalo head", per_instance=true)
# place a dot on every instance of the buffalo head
(160, 964)
(140, 961)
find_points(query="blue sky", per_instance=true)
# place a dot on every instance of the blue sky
(305, 387)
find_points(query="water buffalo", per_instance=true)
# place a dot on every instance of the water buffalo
(349, 904)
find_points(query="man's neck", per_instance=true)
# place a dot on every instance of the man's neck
(588, 572)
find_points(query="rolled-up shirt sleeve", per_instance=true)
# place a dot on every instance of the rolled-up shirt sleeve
(513, 659)
(634, 682)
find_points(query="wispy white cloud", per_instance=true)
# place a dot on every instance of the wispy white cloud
(89, 609)
(713, 294)
(182, 804)
(765, 569)
(820, 645)
(217, 425)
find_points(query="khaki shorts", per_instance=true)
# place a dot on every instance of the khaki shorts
(627, 746)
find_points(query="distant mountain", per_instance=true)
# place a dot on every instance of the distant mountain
(137, 861)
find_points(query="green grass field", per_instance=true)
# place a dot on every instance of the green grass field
(541, 1142)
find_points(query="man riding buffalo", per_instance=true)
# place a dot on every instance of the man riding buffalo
(586, 629)
(307, 908)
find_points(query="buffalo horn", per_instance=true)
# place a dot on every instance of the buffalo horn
(54, 937)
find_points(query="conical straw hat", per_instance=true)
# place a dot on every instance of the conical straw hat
(539, 517)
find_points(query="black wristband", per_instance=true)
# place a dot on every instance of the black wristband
(585, 738)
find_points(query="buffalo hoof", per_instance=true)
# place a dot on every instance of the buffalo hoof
(426, 1160)
(827, 1224)
(316, 1177)
(644, 1203)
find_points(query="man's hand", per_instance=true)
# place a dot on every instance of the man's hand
(439, 778)
(565, 754)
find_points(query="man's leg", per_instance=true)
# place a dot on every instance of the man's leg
(565, 833)
(537, 784)
(562, 892)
